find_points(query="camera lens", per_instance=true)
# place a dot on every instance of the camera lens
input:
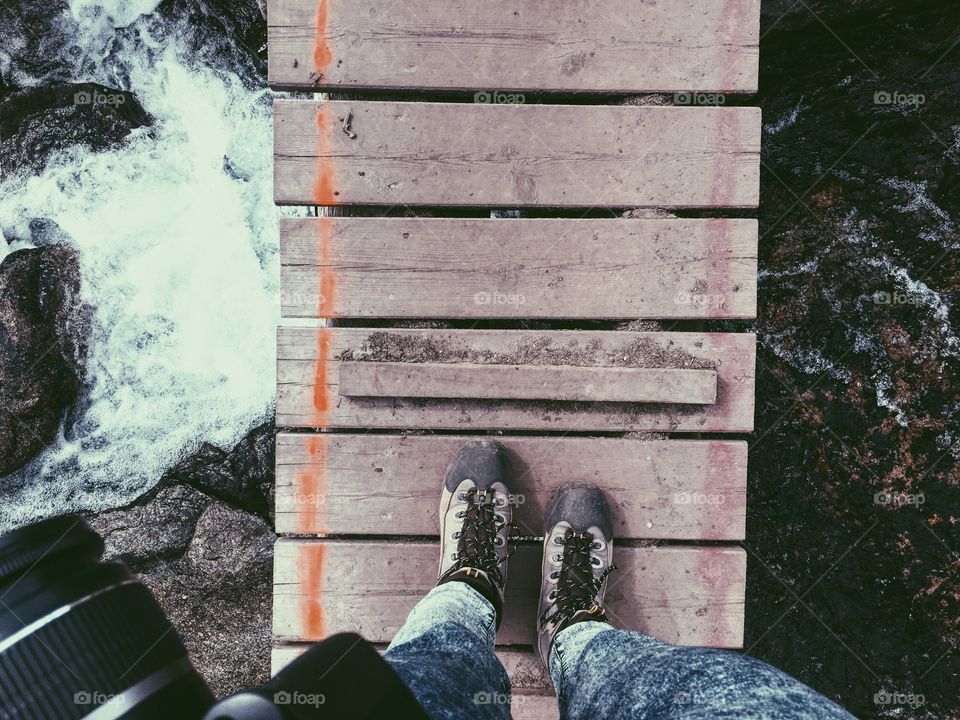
(80, 637)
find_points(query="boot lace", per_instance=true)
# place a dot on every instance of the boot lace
(577, 589)
(477, 538)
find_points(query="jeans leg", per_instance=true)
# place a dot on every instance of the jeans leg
(601, 672)
(444, 654)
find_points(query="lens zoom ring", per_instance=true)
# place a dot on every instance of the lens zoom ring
(95, 651)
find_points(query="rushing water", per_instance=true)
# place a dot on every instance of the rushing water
(176, 232)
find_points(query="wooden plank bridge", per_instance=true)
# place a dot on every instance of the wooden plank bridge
(523, 114)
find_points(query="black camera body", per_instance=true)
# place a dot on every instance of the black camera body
(83, 638)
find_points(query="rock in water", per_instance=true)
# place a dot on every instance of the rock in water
(228, 35)
(38, 122)
(243, 477)
(43, 332)
(35, 41)
(208, 560)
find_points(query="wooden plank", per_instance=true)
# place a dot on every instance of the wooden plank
(532, 695)
(374, 484)
(528, 382)
(685, 595)
(308, 369)
(448, 154)
(549, 45)
(543, 268)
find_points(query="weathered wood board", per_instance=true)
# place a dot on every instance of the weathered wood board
(532, 695)
(308, 369)
(683, 595)
(567, 383)
(549, 45)
(549, 268)
(374, 484)
(454, 154)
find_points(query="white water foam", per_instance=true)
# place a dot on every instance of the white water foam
(178, 260)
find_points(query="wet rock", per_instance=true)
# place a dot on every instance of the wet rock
(224, 34)
(37, 123)
(854, 468)
(43, 335)
(36, 37)
(208, 562)
(244, 476)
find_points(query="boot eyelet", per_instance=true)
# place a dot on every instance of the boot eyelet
(456, 535)
(498, 540)
(461, 514)
(552, 596)
(500, 520)
(454, 556)
(597, 545)
(558, 540)
(557, 558)
(462, 496)
(499, 502)
(596, 562)
(554, 576)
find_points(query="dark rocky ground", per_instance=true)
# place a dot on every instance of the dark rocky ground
(854, 597)
(858, 364)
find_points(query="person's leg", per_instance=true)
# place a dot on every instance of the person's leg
(600, 672)
(444, 652)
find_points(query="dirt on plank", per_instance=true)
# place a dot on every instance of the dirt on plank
(643, 352)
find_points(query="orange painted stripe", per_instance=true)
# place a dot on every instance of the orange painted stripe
(328, 280)
(312, 481)
(324, 192)
(322, 57)
(311, 607)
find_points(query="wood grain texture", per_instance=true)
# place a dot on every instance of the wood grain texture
(374, 484)
(549, 45)
(466, 268)
(567, 383)
(308, 363)
(532, 695)
(683, 595)
(453, 154)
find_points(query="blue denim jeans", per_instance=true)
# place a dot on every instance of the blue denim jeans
(444, 654)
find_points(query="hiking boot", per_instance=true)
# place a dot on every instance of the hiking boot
(475, 517)
(577, 558)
